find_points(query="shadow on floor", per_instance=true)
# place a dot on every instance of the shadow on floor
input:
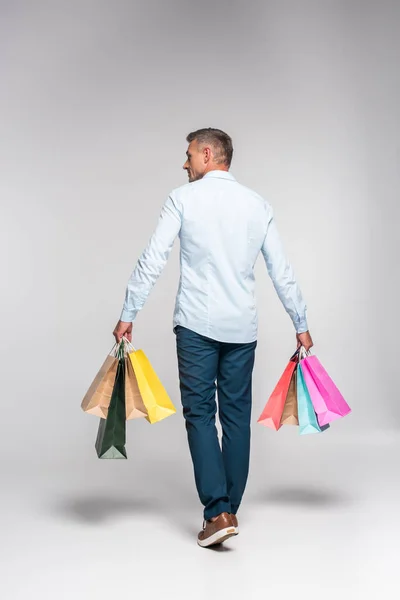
(94, 509)
(303, 496)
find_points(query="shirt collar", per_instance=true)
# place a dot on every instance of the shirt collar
(219, 174)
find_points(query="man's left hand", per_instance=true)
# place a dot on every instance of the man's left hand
(122, 329)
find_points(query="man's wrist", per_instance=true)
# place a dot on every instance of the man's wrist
(128, 315)
(302, 327)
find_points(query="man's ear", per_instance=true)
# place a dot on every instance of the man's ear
(207, 154)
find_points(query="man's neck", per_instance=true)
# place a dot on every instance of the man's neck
(217, 168)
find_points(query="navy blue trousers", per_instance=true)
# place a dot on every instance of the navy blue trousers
(209, 368)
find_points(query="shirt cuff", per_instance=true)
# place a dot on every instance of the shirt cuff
(301, 325)
(128, 315)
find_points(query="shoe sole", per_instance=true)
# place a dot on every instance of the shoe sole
(218, 537)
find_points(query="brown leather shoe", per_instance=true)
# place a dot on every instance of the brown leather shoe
(235, 522)
(216, 531)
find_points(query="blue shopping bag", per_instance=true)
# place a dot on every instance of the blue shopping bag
(308, 422)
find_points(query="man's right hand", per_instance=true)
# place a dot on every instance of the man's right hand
(304, 339)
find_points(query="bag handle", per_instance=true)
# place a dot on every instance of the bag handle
(294, 355)
(303, 352)
(113, 351)
(121, 346)
(129, 344)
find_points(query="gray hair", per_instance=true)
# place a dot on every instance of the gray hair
(219, 140)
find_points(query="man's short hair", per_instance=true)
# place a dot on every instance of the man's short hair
(219, 140)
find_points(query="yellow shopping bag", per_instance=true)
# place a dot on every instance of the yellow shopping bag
(154, 395)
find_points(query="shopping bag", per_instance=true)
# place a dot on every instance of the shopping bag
(290, 412)
(155, 398)
(111, 438)
(135, 407)
(272, 413)
(307, 418)
(327, 400)
(97, 399)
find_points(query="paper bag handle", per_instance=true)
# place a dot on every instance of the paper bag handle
(113, 350)
(116, 349)
(129, 344)
(303, 352)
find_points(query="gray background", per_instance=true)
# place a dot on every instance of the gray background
(96, 101)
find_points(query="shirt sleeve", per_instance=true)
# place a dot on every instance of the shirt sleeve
(281, 272)
(153, 259)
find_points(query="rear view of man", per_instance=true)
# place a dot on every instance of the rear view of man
(222, 226)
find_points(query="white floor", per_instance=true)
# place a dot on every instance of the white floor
(330, 532)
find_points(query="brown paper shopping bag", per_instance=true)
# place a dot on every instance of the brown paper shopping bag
(290, 412)
(135, 407)
(97, 399)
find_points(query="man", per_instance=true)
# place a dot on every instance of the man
(223, 226)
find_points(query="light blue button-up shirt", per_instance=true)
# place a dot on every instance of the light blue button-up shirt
(222, 226)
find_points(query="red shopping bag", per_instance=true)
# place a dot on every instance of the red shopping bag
(272, 413)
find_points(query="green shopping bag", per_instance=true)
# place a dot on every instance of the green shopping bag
(307, 418)
(111, 438)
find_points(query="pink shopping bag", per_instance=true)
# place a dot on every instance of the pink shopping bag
(327, 400)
